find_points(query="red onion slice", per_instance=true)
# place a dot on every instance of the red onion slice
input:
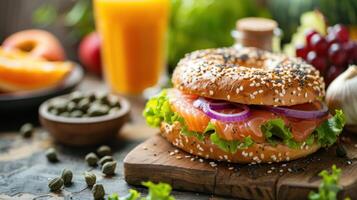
(301, 114)
(215, 104)
(224, 117)
(211, 108)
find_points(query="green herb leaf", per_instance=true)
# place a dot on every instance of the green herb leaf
(275, 131)
(328, 131)
(160, 191)
(328, 188)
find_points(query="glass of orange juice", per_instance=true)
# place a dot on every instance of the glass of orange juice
(133, 34)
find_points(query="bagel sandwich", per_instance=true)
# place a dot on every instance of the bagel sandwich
(245, 106)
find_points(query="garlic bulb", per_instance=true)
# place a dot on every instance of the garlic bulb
(342, 94)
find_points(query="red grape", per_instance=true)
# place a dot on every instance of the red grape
(337, 54)
(318, 62)
(308, 36)
(301, 51)
(349, 48)
(341, 33)
(319, 44)
(331, 38)
(332, 73)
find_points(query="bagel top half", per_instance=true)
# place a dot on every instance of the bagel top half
(248, 76)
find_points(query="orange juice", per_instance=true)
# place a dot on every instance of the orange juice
(133, 34)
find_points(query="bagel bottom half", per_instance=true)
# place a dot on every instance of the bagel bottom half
(257, 153)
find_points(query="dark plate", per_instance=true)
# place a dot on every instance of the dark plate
(13, 103)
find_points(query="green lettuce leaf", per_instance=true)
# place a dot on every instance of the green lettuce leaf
(160, 191)
(158, 109)
(225, 145)
(186, 132)
(328, 132)
(276, 131)
(328, 188)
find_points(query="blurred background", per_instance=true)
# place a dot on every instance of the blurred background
(194, 24)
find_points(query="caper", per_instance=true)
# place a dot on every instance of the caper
(67, 176)
(26, 130)
(98, 110)
(76, 113)
(51, 155)
(105, 159)
(109, 168)
(92, 97)
(65, 114)
(83, 104)
(54, 111)
(104, 150)
(91, 159)
(59, 104)
(71, 106)
(114, 101)
(98, 191)
(90, 178)
(55, 184)
(103, 98)
(76, 96)
(114, 110)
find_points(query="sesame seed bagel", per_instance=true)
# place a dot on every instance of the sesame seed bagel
(248, 76)
(257, 153)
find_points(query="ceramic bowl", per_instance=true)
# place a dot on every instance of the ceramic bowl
(87, 130)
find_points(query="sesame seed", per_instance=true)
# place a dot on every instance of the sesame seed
(201, 160)
(269, 171)
(211, 92)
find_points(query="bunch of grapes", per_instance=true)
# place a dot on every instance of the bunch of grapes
(331, 54)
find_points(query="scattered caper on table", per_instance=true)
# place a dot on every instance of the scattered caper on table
(104, 150)
(91, 159)
(90, 178)
(26, 130)
(109, 168)
(79, 104)
(67, 176)
(105, 159)
(98, 191)
(51, 155)
(55, 184)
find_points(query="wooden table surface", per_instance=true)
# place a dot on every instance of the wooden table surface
(25, 171)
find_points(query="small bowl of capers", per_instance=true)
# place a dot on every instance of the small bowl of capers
(81, 119)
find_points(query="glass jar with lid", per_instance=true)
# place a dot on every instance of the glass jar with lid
(256, 32)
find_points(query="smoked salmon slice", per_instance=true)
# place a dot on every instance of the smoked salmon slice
(196, 120)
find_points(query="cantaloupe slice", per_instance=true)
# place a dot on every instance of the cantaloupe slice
(20, 72)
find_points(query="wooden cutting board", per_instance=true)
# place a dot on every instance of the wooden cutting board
(157, 160)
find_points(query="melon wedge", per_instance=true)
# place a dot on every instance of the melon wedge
(19, 72)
